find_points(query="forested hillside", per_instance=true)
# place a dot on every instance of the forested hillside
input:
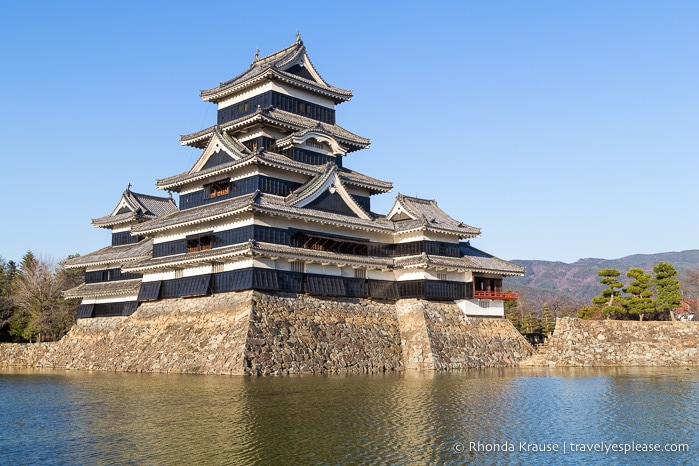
(578, 283)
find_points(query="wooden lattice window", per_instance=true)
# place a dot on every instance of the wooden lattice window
(297, 266)
(219, 189)
(202, 243)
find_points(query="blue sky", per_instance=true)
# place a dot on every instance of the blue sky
(564, 130)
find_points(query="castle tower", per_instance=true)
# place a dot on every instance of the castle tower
(270, 204)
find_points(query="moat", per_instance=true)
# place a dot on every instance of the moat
(81, 417)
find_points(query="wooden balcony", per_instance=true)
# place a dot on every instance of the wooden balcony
(503, 295)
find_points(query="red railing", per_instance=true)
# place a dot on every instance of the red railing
(504, 295)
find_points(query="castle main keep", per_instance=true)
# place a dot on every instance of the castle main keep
(272, 210)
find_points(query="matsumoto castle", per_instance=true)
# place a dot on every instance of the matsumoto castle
(272, 205)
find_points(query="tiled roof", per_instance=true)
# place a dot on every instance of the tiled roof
(191, 258)
(112, 255)
(480, 263)
(310, 255)
(473, 260)
(110, 221)
(177, 181)
(272, 159)
(231, 146)
(257, 202)
(281, 118)
(311, 186)
(257, 248)
(103, 289)
(197, 215)
(275, 66)
(276, 205)
(426, 214)
(363, 181)
(139, 207)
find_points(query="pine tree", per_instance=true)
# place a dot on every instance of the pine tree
(548, 323)
(667, 288)
(514, 318)
(608, 295)
(7, 271)
(531, 324)
(640, 302)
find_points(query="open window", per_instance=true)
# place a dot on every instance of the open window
(219, 188)
(202, 242)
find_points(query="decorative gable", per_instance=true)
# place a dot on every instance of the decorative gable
(399, 212)
(328, 193)
(221, 149)
(301, 65)
(314, 138)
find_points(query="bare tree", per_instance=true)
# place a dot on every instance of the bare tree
(690, 282)
(40, 312)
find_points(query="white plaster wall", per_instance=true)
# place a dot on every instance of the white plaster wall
(471, 308)
(380, 275)
(237, 265)
(332, 270)
(245, 95)
(110, 299)
(220, 225)
(194, 271)
(154, 277)
(410, 274)
(305, 95)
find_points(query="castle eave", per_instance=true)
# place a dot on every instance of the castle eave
(226, 90)
(104, 289)
(111, 255)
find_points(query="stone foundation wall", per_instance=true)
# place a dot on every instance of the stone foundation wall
(258, 333)
(439, 336)
(203, 335)
(459, 342)
(578, 342)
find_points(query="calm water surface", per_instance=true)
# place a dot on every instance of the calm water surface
(66, 417)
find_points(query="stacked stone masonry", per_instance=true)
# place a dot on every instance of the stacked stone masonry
(578, 342)
(259, 333)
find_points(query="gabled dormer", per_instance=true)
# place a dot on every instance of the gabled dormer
(327, 192)
(221, 149)
(289, 66)
(133, 208)
(415, 214)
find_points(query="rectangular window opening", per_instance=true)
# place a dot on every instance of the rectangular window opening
(359, 273)
(219, 189)
(202, 243)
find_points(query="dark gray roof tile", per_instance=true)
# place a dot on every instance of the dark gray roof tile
(104, 289)
(276, 65)
(112, 255)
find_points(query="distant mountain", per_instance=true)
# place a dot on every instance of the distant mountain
(578, 282)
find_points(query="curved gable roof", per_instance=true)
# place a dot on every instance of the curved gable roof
(413, 213)
(136, 207)
(285, 65)
(328, 181)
